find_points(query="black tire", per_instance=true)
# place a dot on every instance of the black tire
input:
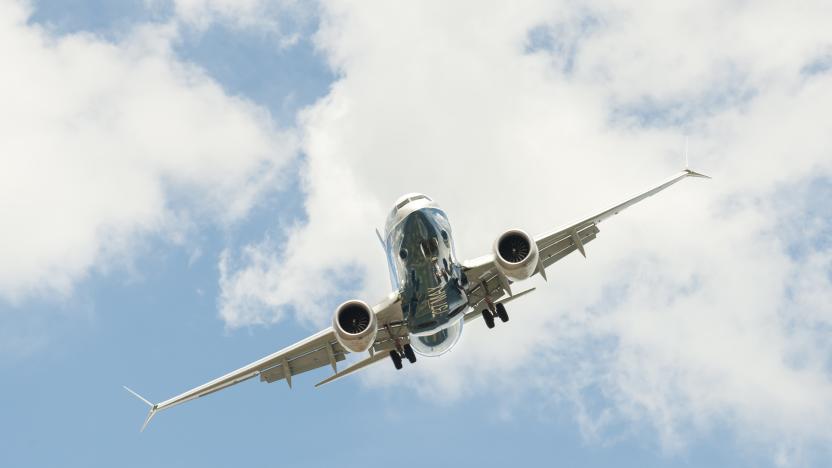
(409, 354)
(488, 317)
(501, 312)
(397, 360)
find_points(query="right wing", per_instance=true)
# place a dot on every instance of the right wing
(486, 281)
(553, 243)
(319, 350)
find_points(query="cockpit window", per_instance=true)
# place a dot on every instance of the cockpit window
(408, 200)
(402, 203)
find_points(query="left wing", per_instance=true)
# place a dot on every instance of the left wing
(487, 283)
(319, 350)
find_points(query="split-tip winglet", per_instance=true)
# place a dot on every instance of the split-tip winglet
(692, 173)
(153, 408)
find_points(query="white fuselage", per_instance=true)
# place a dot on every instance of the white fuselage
(424, 269)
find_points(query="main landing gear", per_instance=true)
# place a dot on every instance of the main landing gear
(501, 312)
(397, 360)
(407, 352)
(488, 315)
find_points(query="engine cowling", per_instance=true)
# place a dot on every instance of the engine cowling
(516, 254)
(355, 326)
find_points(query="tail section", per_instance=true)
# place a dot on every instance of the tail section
(153, 408)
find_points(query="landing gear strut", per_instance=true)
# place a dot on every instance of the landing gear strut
(493, 310)
(401, 351)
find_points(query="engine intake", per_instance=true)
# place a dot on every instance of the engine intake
(355, 326)
(516, 254)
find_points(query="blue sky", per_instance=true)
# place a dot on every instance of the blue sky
(320, 116)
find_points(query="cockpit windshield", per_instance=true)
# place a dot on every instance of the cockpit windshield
(403, 207)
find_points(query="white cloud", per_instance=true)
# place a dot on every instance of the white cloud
(97, 141)
(690, 312)
(260, 14)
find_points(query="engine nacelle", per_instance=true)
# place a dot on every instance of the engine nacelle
(355, 326)
(516, 254)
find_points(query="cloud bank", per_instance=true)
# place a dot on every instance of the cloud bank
(262, 15)
(702, 309)
(705, 307)
(104, 143)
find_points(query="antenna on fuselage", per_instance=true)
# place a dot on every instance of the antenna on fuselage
(381, 240)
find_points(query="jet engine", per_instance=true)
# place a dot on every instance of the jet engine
(355, 326)
(516, 254)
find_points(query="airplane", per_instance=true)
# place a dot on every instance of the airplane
(433, 295)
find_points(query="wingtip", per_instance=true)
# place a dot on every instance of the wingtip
(692, 173)
(135, 394)
(150, 415)
(153, 407)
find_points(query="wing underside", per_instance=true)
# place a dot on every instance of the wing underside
(330, 354)
(319, 350)
(487, 283)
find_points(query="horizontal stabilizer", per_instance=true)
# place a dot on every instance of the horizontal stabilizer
(516, 296)
(355, 367)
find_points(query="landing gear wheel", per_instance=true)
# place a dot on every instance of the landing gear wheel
(397, 360)
(488, 317)
(409, 354)
(501, 312)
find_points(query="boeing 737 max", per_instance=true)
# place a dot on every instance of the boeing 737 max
(433, 296)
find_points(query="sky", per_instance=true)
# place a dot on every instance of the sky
(189, 185)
